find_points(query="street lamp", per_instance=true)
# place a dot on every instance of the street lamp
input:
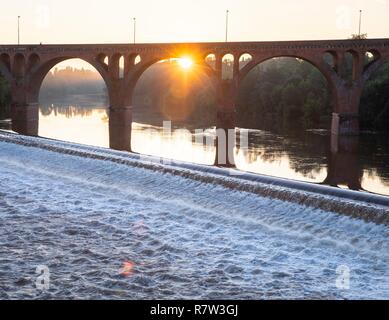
(134, 30)
(360, 23)
(227, 16)
(18, 30)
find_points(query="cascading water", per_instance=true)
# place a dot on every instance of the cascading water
(127, 229)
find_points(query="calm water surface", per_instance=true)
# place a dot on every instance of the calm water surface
(355, 163)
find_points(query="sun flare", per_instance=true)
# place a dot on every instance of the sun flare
(185, 63)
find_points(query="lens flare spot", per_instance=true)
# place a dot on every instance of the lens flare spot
(127, 269)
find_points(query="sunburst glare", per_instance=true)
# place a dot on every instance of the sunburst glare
(185, 63)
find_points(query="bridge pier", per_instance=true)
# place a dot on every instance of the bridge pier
(120, 113)
(120, 127)
(226, 124)
(25, 118)
(225, 139)
(345, 119)
(24, 108)
(345, 124)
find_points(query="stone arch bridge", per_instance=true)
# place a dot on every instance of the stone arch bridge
(25, 67)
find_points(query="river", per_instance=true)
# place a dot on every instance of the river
(358, 163)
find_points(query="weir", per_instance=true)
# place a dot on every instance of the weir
(366, 206)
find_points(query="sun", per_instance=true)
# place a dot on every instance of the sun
(185, 63)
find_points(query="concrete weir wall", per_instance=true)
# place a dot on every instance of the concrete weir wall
(370, 207)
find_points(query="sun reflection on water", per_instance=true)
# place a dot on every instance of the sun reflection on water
(91, 128)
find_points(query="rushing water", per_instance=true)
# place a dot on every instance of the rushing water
(107, 229)
(355, 163)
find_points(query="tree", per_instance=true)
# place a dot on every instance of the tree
(362, 36)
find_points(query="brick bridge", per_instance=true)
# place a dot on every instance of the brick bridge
(25, 67)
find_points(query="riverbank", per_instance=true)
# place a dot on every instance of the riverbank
(86, 213)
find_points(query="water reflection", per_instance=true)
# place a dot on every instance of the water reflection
(177, 144)
(75, 124)
(283, 157)
(354, 163)
(344, 168)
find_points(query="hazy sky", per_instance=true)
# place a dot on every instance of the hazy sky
(110, 21)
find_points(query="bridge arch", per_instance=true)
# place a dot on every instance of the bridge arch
(5, 95)
(316, 61)
(324, 110)
(186, 96)
(146, 63)
(42, 70)
(143, 63)
(5, 66)
(373, 66)
(319, 64)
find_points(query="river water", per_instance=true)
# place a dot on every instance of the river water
(355, 163)
(76, 227)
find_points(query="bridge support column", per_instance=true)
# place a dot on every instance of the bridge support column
(345, 120)
(120, 127)
(345, 124)
(25, 118)
(225, 127)
(24, 108)
(225, 139)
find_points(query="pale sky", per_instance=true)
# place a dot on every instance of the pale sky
(110, 21)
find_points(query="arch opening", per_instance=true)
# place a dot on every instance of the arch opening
(5, 103)
(371, 56)
(228, 67)
(173, 100)
(244, 60)
(121, 67)
(330, 59)
(285, 105)
(137, 59)
(210, 59)
(103, 60)
(5, 60)
(33, 61)
(73, 100)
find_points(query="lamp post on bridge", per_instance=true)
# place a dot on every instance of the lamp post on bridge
(134, 19)
(18, 30)
(360, 23)
(227, 18)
